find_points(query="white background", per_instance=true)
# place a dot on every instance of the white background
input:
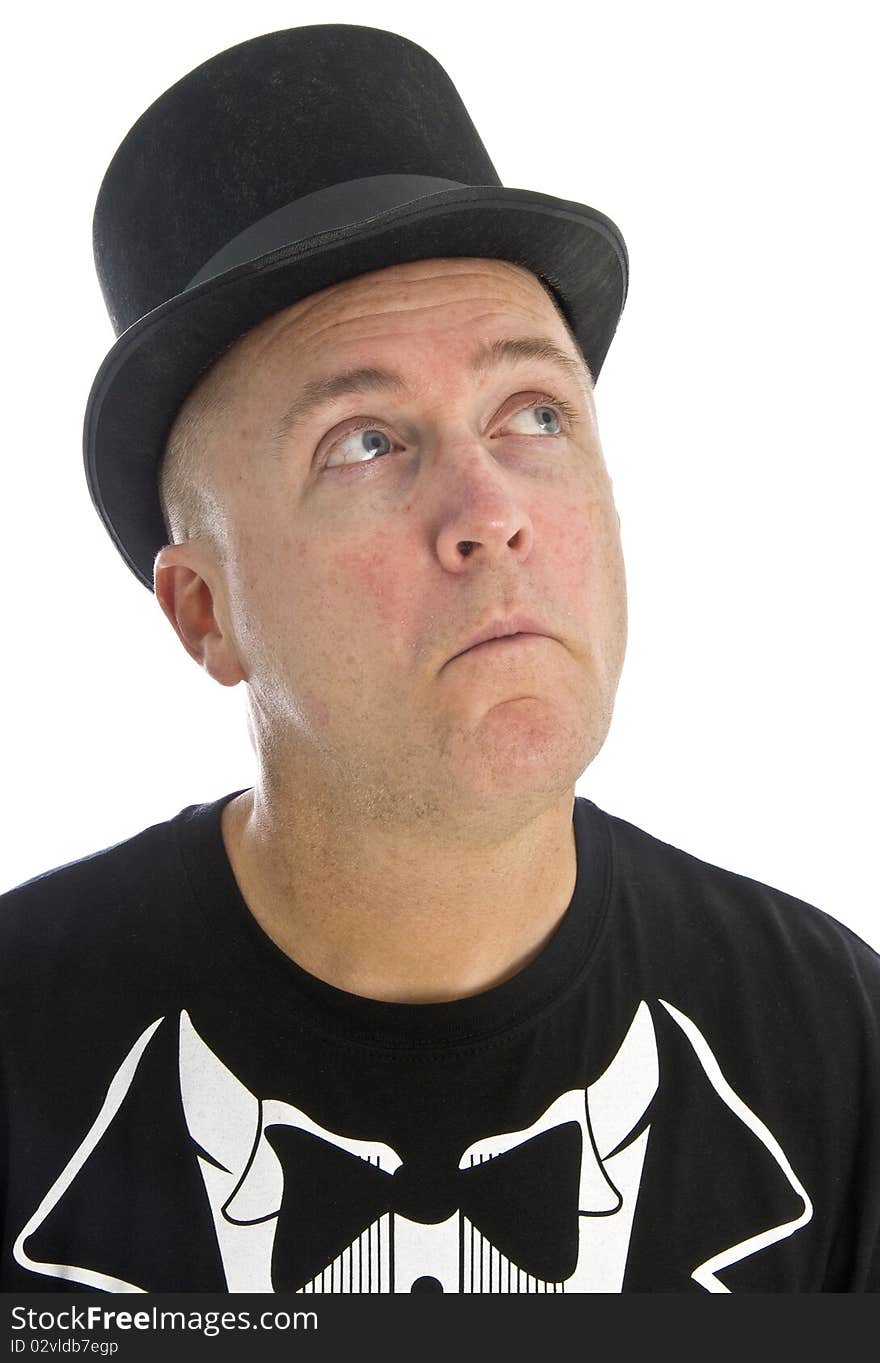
(736, 147)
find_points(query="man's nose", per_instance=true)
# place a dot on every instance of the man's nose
(480, 509)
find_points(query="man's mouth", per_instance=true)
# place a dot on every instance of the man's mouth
(505, 633)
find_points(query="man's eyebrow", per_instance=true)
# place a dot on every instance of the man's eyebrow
(319, 392)
(369, 379)
(530, 348)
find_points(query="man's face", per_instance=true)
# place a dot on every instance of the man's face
(370, 535)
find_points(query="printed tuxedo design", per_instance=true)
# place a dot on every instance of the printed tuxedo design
(268, 1165)
(295, 1206)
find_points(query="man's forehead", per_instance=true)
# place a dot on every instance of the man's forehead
(416, 286)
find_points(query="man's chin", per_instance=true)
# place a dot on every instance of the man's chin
(525, 751)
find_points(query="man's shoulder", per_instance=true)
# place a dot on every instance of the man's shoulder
(690, 896)
(108, 888)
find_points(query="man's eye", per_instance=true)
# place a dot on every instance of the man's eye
(538, 419)
(363, 443)
(359, 445)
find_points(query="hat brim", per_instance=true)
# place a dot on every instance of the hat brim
(576, 251)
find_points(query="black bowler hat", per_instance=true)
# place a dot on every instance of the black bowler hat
(286, 164)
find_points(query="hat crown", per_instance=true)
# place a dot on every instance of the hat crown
(259, 126)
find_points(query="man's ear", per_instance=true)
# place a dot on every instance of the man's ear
(186, 580)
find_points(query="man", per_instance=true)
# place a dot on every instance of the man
(406, 1016)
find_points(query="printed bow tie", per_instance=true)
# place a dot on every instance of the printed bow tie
(524, 1201)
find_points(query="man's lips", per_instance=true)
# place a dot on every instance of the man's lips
(518, 628)
(506, 642)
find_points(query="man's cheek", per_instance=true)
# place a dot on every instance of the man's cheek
(374, 584)
(569, 543)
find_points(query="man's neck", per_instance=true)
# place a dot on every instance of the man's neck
(399, 915)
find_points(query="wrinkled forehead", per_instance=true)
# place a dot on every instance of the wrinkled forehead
(400, 298)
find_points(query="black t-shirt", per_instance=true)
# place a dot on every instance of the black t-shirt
(680, 1093)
